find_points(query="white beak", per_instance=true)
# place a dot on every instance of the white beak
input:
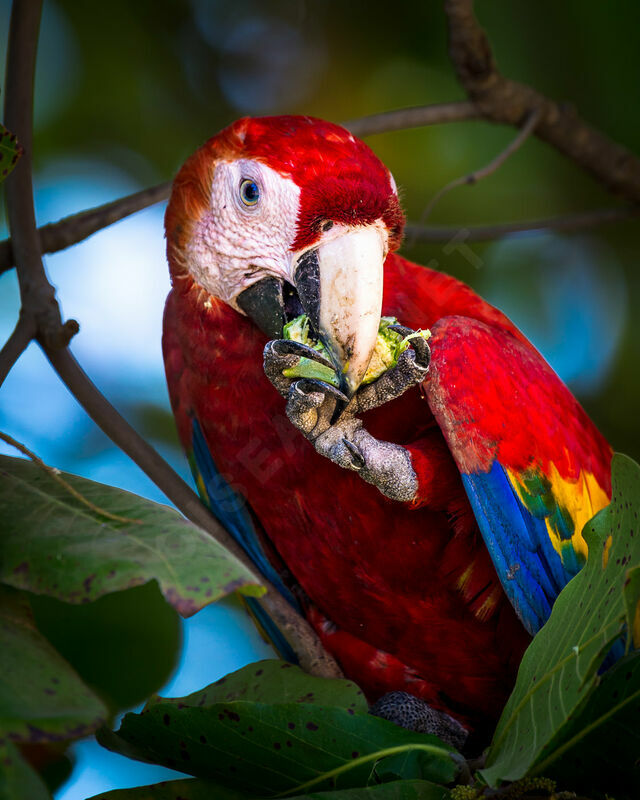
(339, 284)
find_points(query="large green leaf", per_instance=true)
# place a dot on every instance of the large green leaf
(18, 781)
(560, 668)
(273, 681)
(54, 544)
(192, 789)
(41, 698)
(599, 751)
(10, 152)
(261, 748)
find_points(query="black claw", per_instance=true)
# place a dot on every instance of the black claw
(286, 347)
(308, 385)
(401, 329)
(358, 458)
(422, 349)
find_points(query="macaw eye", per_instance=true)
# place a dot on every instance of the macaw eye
(249, 192)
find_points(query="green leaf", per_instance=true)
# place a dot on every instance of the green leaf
(191, 789)
(10, 152)
(632, 605)
(409, 764)
(124, 645)
(186, 789)
(274, 681)
(600, 748)
(54, 544)
(559, 669)
(18, 780)
(41, 697)
(264, 748)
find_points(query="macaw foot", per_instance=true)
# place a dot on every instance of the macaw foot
(281, 355)
(414, 714)
(328, 418)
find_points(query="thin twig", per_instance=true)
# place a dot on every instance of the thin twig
(415, 117)
(16, 344)
(57, 477)
(470, 180)
(485, 233)
(508, 102)
(75, 228)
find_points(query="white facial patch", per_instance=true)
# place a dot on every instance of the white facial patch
(235, 244)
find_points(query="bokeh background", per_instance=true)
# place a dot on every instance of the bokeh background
(126, 91)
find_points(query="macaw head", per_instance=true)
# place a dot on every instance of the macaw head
(278, 216)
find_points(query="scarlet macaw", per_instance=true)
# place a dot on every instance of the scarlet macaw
(424, 523)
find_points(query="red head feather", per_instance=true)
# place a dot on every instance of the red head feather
(340, 178)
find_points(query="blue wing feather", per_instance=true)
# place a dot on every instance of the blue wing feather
(530, 570)
(230, 509)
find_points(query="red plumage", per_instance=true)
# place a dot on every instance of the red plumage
(405, 595)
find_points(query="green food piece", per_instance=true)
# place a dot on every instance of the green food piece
(389, 346)
(307, 368)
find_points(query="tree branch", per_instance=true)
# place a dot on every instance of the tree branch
(16, 344)
(415, 117)
(37, 294)
(416, 232)
(75, 228)
(484, 172)
(40, 309)
(502, 100)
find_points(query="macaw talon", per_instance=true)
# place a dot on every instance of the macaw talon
(284, 354)
(422, 349)
(283, 347)
(411, 370)
(310, 406)
(308, 385)
(414, 714)
(274, 363)
(358, 458)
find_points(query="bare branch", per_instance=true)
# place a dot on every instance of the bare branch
(416, 117)
(484, 233)
(502, 100)
(488, 169)
(37, 294)
(16, 344)
(73, 229)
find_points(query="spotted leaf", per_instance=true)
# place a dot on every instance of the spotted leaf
(57, 545)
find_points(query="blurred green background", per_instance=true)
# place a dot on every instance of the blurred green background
(125, 91)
